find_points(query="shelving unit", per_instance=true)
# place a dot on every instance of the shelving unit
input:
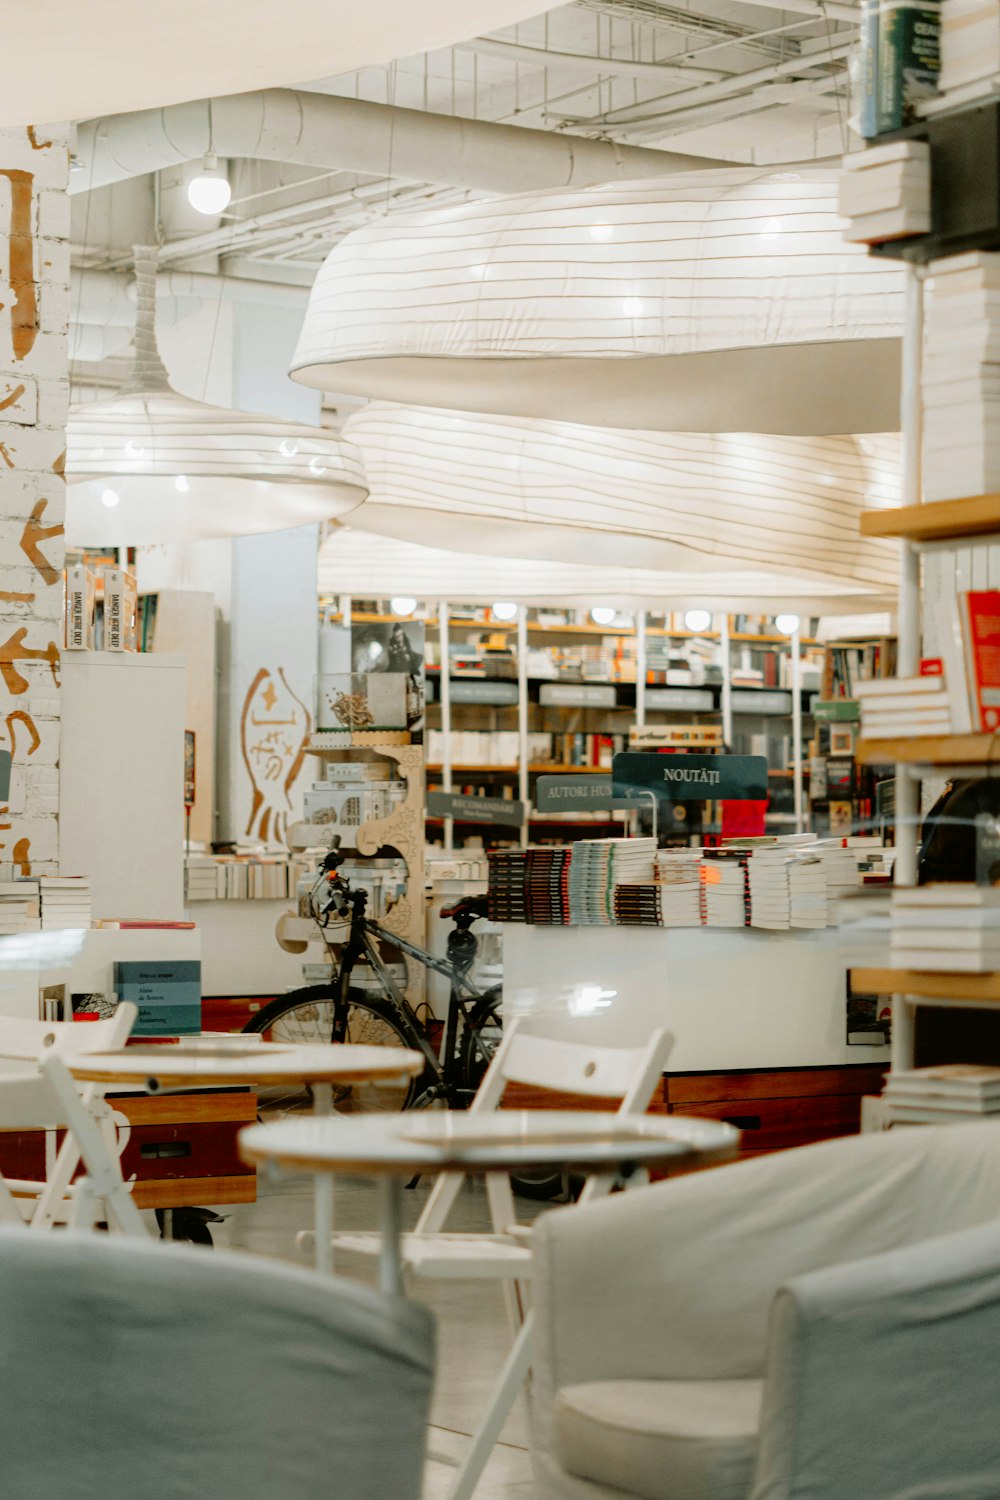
(636, 692)
(936, 520)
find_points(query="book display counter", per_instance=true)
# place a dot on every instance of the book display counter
(759, 1018)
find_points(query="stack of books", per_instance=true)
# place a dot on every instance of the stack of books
(961, 379)
(65, 901)
(506, 885)
(897, 707)
(970, 46)
(770, 904)
(952, 1093)
(807, 899)
(947, 928)
(19, 907)
(725, 898)
(201, 878)
(596, 867)
(885, 192)
(678, 878)
(545, 871)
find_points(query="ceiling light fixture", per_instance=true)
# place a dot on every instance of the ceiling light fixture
(505, 611)
(787, 624)
(402, 605)
(209, 193)
(698, 619)
(602, 614)
(180, 470)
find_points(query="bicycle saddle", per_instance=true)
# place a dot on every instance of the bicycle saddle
(468, 906)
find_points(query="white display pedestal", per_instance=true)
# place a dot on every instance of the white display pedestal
(734, 998)
(240, 954)
(121, 816)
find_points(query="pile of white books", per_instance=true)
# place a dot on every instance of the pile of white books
(961, 379)
(725, 899)
(19, 906)
(807, 900)
(898, 707)
(200, 877)
(677, 875)
(840, 869)
(770, 902)
(65, 901)
(949, 1093)
(946, 928)
(970, 44)
(885, 192)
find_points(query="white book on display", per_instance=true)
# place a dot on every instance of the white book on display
(943, 961)
(893, 687)
(946, 894)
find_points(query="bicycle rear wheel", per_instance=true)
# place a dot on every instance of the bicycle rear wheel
(311, 1015)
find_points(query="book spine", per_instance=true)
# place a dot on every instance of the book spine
(79, 616)
(113, 604)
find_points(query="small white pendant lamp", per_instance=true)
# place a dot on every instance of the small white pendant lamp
(150, 465)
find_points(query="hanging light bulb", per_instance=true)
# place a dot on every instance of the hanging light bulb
(505, 611)
(110, 498)
(602, 614)
(787, 624)
(403, 605)
(209, 192)
(697, 619)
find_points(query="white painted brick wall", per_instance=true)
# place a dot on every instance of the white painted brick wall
(34, 372)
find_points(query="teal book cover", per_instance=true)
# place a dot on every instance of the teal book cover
(166, 992)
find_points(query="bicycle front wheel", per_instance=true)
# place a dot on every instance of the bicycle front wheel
(312, 1015)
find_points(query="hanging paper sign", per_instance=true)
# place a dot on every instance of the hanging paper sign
(761, 701)
(691, 700)
(693, 778)
(578, 794)
(497, 694)
(475, 809)
(576, 695)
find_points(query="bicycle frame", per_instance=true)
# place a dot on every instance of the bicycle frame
(363, 939)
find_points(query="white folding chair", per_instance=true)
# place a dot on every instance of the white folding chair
(45, 1097)
(629, 1074)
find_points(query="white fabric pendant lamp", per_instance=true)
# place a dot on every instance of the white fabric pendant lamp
(152, 466)
(717, 301)
(369, 566)
(683, 503)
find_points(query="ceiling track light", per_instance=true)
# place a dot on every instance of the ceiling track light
(209, 192)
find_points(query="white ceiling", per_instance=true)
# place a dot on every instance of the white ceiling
(73, 59)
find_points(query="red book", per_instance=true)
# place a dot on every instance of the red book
(981, 631)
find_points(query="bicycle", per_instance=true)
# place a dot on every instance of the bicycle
(337, 1011)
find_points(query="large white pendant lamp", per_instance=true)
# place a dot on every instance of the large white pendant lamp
(150, 465)
(371, 566)
(686, 503)
(717, 301)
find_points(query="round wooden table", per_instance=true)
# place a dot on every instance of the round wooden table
(394, 1147)
(261, 1064)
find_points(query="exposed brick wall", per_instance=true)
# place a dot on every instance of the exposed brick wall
(34, 394)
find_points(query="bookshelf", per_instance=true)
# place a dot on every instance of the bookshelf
(932, 750)
(923, 986)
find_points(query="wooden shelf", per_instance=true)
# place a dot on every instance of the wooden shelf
(936, 520)
(982, 989)
(931, 750)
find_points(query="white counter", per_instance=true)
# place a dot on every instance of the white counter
(734, 998)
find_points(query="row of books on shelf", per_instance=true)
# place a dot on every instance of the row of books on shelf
(250, 877)
(101, 610)
(846, 664)
(773, 883)
(43, 903)
(477, 747)
(957, 692)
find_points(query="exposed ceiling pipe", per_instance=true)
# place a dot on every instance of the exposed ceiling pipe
(107, 298)
(823, 10)
(617, 67)
(709, 93)
(321, 130)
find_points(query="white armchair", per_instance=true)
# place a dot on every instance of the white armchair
(814, 1323)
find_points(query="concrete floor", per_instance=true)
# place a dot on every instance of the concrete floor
(473, 1335)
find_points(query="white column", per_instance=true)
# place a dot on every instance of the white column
(727, 686)
(522, 716)
(640, 668)
(797, 725)
(446, 779)
(34, 396)
(908, 656)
